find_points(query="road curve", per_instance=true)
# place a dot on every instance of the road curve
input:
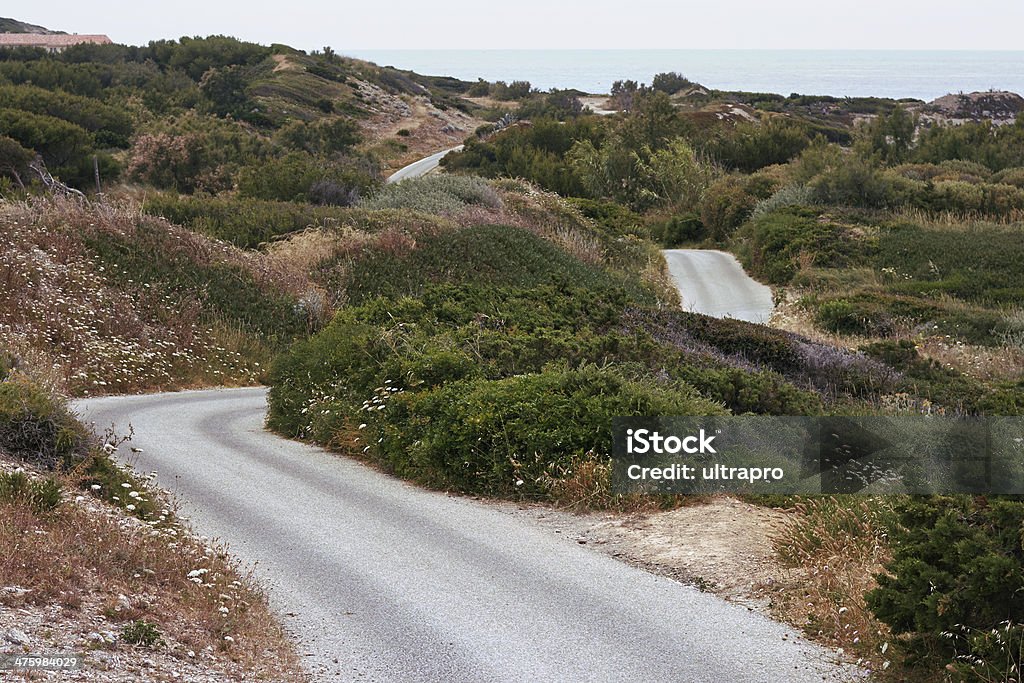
(421, 167)
(389, 582)
(714, 283)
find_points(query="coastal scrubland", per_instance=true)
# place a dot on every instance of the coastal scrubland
(476, 331)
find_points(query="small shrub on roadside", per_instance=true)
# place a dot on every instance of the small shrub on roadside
(141, 632)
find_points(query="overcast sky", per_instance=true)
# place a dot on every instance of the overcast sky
(420, 24)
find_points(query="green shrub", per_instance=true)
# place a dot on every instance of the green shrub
(979, 262)
(779, 243)
(292, 177)
(927, 379)
(1010, 176)
(37, 428)
(726, 204)
(501, 437)
(955, 578)
(483, 255)
(227, 291)
(141, 632)
(755, 145)
(678, 230)
(854, 182)
(246, 223)
(846, 317)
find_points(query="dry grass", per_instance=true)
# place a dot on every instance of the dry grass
(837, 545)
(88, 557)
(955, 221)
(97, 331)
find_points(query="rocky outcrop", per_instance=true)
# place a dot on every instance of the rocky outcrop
(995, 105)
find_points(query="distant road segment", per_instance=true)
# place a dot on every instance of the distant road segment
(421, 167)
(714, 283)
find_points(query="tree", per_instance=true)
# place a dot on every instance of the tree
(670, 82)
(225, 90)
(624, 94)
(676, 175)
(60, 142)
(891, 135)
(14, 160)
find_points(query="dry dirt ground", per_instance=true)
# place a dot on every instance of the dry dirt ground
(722, 545)
(428, 128)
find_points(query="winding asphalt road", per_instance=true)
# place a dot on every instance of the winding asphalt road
(422, 167)
(389, 582)
(714, 283)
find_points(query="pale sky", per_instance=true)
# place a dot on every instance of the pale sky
(534, 24)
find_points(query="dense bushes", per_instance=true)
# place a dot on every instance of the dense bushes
(245, 223)
(780, 243)
(111, 126)
(489, 390)
(535, 152)
(505, 437)
(751, 146)
(995, 147)
(439, 195)
(954, 584)
(218, 288)
(978, 262)
(298, 177)
(494, 255)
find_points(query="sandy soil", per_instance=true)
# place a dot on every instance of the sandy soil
(722, 546)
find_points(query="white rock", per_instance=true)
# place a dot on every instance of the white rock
(17, 637)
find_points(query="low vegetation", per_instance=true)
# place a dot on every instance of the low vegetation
(107, 300)
(78, 535)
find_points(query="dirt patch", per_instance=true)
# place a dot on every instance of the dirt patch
(281, 63)
(404, 129)
(599, 104)
(722, 546)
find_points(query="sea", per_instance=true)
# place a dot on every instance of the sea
(917, 74)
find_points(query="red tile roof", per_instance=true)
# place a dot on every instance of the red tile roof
(51, 41)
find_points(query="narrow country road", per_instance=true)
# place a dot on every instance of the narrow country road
(421, 167)
(714, 283)
(388, 582)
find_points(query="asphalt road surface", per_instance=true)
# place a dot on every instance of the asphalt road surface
(389, 582)
(714, 283)
(421, 167)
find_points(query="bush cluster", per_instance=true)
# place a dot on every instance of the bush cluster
(953, 584)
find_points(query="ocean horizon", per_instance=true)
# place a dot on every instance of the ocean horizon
(918, 74)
